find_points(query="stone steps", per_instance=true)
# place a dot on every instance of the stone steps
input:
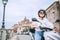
(21, 37)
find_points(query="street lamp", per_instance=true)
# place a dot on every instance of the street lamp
(4, 5)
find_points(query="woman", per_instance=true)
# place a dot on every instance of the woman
(55, 34)
(41, 23)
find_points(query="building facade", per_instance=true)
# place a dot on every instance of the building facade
(22, 25)
(53, 13)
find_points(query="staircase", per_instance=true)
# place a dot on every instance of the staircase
(21, 37)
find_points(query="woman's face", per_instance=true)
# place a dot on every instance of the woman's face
(42, 14)
(57, 27)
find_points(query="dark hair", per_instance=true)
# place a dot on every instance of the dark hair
(57, 21)
(40, 11)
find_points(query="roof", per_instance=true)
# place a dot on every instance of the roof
(52, 4)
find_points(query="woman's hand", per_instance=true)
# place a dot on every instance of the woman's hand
(32, 25)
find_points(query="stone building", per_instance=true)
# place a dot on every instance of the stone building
(59, 1)
(53, 13)
(23, 25)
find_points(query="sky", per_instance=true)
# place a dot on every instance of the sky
(17, 10)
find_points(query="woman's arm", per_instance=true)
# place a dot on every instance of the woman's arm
(47, 25)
